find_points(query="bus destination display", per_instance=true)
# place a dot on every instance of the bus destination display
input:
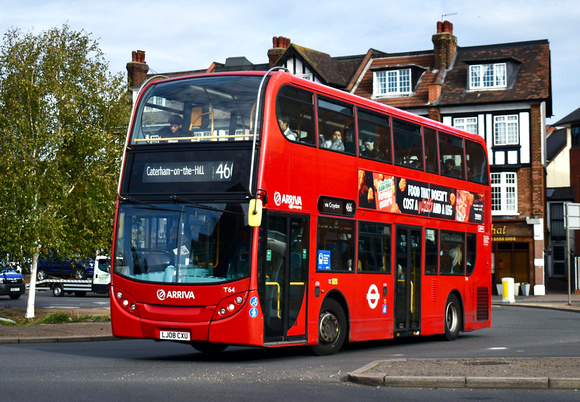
(174, 172)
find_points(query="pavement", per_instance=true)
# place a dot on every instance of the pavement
(513, 373)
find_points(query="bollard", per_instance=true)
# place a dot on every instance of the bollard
(508, 290)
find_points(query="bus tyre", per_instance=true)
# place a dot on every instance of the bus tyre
(453, 318)
(331, 328)
(57, 290)
(209, 348)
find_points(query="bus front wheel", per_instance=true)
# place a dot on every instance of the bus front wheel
(452, 318)
(331, 328)
(209, 348)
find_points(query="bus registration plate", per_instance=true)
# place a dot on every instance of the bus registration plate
(174, 335)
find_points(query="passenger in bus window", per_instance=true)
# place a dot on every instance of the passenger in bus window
(284, 123)
(174, 129)
(449, 168)
(334, 143)
(349, 141)
(370, 149)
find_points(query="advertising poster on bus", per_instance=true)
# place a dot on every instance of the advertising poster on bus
(398, 195)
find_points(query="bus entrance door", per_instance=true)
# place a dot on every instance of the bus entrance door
(284, 278)
(408, 281)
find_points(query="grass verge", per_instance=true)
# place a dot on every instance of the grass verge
(17, 316)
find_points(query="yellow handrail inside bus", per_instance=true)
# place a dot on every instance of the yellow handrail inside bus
(196, 138)
(412, 306)
(279, 314)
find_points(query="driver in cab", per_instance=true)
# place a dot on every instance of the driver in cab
(174, 130)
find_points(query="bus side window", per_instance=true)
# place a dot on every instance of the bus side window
(335, 126)
(470, 253)
(451, 152)
(295, 114)
(431, 252)
(476, 162)
(408, 144)
(336, 238)
(374, 135)
(374, 248)
(452, 254)
(431, 159)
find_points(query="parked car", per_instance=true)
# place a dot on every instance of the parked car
(64, 268)
(11, 282)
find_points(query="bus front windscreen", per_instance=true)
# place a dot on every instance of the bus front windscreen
(183, 243)
(215, 108)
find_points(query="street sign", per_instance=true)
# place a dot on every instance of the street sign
(572, 216)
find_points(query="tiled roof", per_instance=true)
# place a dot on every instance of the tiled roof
(555, 143)
(336, 72)
(532, 81)
(421, 95)
(572, 118)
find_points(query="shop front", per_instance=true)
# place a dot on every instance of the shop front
(513, 251)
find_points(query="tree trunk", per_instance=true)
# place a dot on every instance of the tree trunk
(32, 287)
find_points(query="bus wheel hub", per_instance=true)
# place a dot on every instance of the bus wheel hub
(329, 328)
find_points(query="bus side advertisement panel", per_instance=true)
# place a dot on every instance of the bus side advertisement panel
(399, 195)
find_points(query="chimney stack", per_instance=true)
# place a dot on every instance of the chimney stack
(280, 44)
(137, 70)
(445, 45)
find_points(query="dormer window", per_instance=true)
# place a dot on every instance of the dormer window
(487, 76)
(392, 82)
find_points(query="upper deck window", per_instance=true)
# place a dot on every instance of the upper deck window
(336, 126)
(408, 144)
(451, 155)
(214, 108)
(295, 114)
(374, 133)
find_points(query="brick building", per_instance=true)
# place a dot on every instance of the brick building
(501, 92)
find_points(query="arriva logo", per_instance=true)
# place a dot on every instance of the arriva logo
(174, 294)
(292, 201)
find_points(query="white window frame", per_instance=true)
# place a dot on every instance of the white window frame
(504, 185)
(468, 124)
(392, 82)
(506, 130)
(488, 76)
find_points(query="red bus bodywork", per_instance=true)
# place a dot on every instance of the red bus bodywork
(293, 180)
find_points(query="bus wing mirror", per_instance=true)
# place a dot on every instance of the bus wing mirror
(255, 213)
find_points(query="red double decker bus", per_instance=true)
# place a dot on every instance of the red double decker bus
(263, 209)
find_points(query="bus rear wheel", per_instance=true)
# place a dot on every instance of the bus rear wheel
(331, 328)
(453, 320)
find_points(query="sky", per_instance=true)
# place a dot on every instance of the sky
(183, 35)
